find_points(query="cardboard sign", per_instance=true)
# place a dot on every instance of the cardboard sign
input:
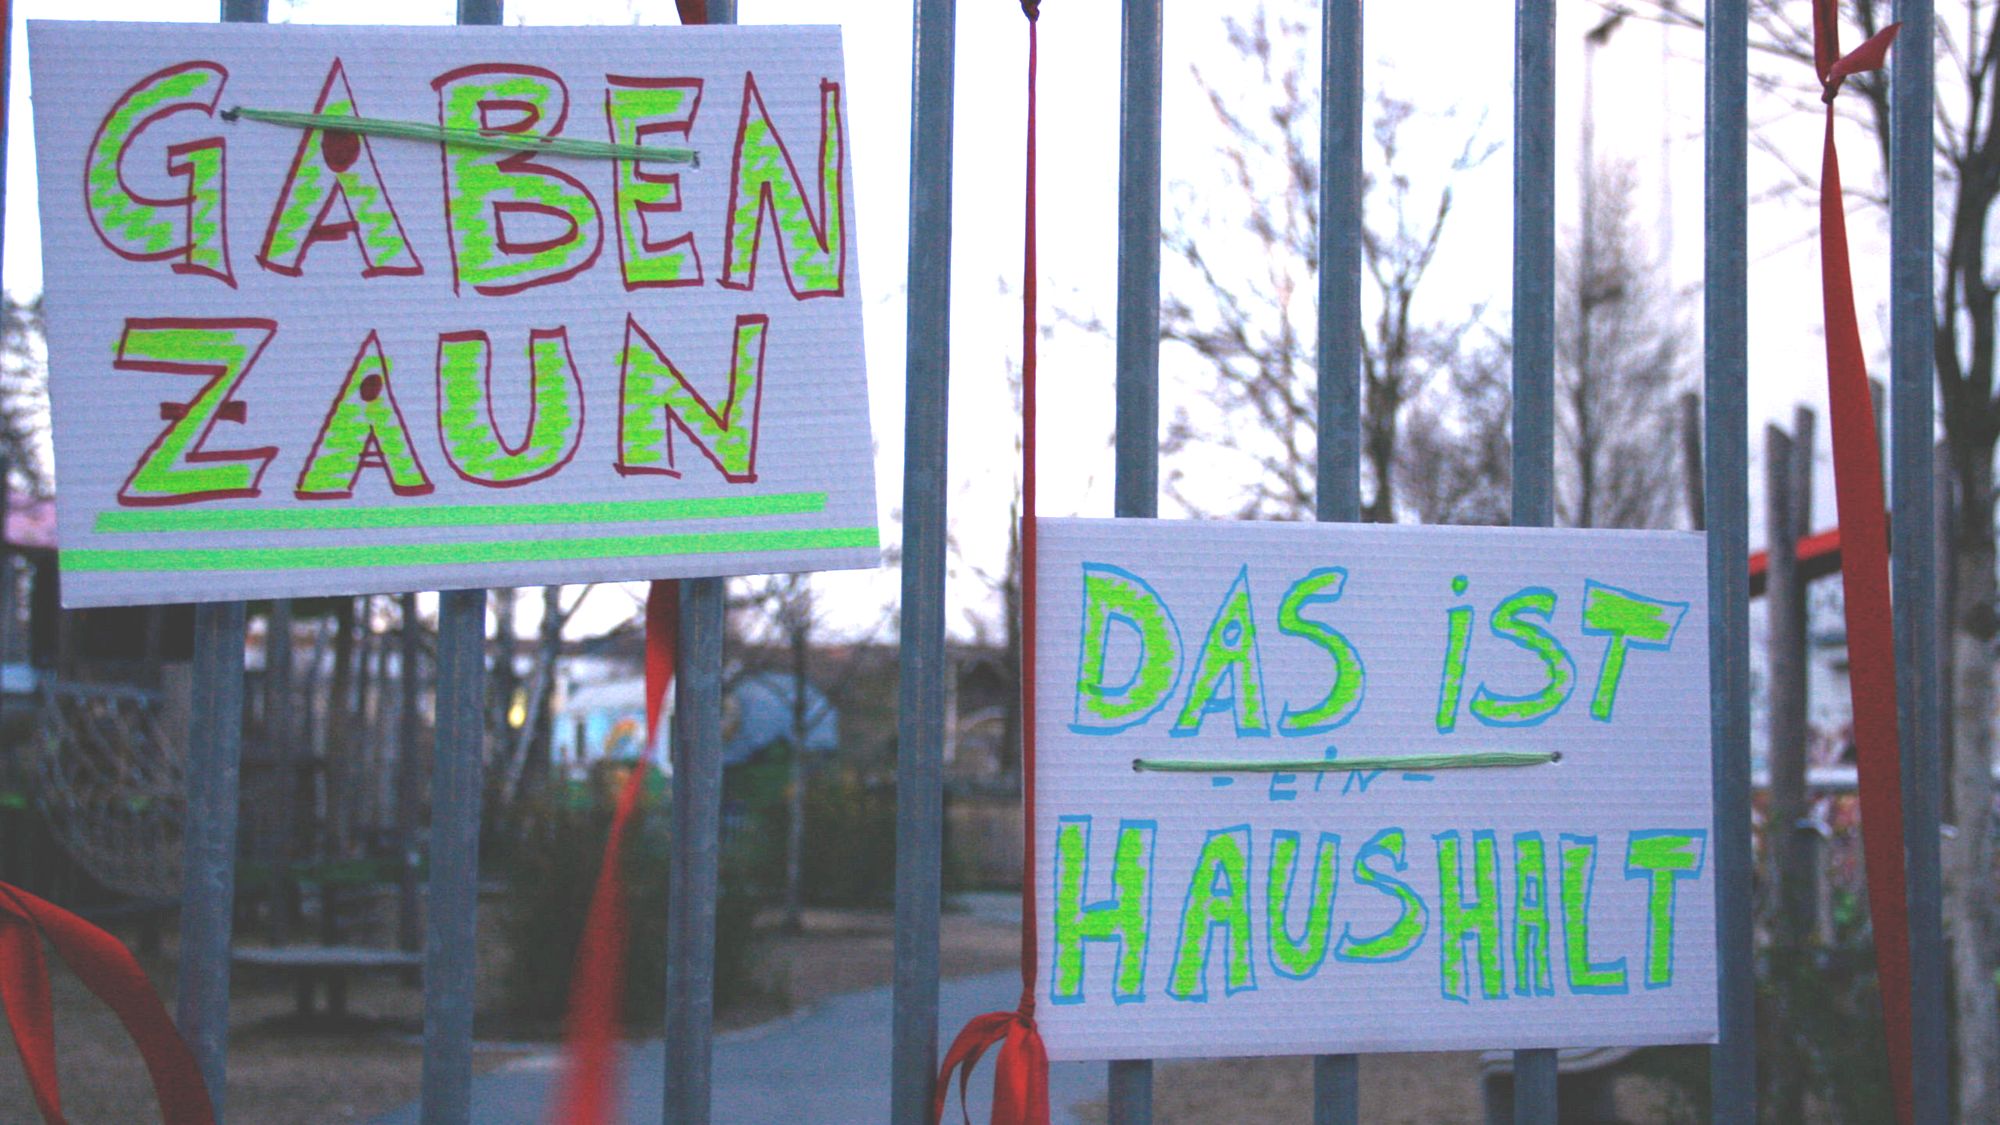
(1407, 907)
(291, 359)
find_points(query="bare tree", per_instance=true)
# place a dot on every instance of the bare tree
(1967, 140)
(1253, 273)
(1618, 362)
(24, 396)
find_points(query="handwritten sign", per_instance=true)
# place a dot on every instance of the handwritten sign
(1525, 865)
(292, 358)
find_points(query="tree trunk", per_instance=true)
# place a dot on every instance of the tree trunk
(339, 724)
(1968, 853)
(795, 822)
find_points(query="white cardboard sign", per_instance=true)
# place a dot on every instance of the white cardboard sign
(1569, 903)
(295, 359)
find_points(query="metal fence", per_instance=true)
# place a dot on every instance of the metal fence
(448, 970)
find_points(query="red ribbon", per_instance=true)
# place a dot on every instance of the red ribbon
(105, 967)
(1857, 470)
(587, 1091)
(1021, 1070)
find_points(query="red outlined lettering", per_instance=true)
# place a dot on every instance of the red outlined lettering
(652, 194)
(530, 433)
(526, 116)
(183, 161)
(176, 468)
(342, 153)
(832, 147)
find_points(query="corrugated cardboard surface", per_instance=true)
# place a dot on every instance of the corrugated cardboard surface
(813, 444)
(1646, 769)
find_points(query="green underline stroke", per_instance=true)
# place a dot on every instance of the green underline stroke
(447, 554)
(127, 520)
(1492, 759)
(470, 138)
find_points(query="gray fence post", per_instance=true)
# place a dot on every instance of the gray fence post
(1534, 366)
(457, 769)
(1913, 535)
(1337, 1078)
(208, 840)
(1733, 1067)
(1129, 1093)
(922, 668)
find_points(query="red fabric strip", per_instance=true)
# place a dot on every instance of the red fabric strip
(587, 1092)
(1857, 468)
(107, 969)
(1021, 1071)
(692, 11)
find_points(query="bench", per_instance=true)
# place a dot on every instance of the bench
(1586, 1078)
(310, 965)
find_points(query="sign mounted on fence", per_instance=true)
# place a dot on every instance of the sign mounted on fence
(290, 358)
(1196, 901)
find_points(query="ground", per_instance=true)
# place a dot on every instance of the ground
(283, 1072)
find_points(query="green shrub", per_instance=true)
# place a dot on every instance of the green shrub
(850, 838)
(549, 886)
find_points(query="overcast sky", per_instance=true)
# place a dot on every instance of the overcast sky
(1648, 111)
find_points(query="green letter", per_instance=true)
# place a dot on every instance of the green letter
(488, 196)
(1663, 858)
(1510, 622)
(1401, 937)
(655, 399)
(1218, 895)
(1458, 639)
(363, 427)
(640, 108)
(335, 190)
(472, 443)
(1631, 621)
(1579, 873)
(1299, 959)
(812, 249)
(1479, 919)
(175, 469)
(186, 228)
(1121, 918)
(1114, 596)
(1343, 697)
(1229, 653)
(1532, 976)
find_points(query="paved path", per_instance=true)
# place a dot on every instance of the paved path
(829, 1066)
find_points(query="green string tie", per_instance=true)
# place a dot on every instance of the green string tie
(470, 138)
(1491, 759)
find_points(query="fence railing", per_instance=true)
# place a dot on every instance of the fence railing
(448, 976)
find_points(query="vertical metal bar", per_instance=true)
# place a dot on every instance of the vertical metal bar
(1137, 483)
(457, 781)
(208, 841)
(1534, 263)
(696, 826)
(1725, 363)
(697, 845)
(457, 767)
(208, 891)
(1337, 1078)
(408, 780)
(922, 668)
(1534, 364)
(1913, 538)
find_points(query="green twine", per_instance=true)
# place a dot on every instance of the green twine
(470, 138)
(1486, 760)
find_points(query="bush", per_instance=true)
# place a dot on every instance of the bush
(850, 844)
(549, 886)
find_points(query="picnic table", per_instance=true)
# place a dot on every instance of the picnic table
(314, 965)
